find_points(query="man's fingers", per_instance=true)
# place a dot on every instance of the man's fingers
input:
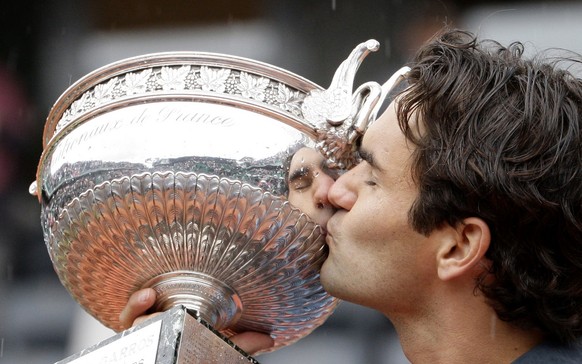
(139, 302)
(141, 319)
(253, 342)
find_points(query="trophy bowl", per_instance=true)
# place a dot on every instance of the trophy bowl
(169, 171)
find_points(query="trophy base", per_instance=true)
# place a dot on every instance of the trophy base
(176, 336)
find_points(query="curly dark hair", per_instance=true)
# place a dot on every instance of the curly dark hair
(502, 140)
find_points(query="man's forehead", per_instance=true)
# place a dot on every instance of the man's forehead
(385, 140)
(388, 119)
(378, 135)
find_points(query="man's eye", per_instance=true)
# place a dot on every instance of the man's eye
(370, 183)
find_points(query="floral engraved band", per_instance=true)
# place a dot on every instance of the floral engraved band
(187, 78)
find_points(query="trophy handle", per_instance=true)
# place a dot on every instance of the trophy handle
(341, 117)
(341, 85)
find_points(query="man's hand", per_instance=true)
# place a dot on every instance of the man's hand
(140, 301)
(134, 311)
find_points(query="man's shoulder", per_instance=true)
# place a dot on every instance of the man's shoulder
(548, 352)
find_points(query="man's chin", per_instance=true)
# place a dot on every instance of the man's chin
(327, 278)
(334, 283)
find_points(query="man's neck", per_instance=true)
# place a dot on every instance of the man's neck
(463, 332)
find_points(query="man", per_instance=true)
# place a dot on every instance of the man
(463, 222)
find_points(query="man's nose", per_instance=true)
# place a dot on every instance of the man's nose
(342, 193)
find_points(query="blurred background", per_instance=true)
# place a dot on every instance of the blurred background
(47, 45)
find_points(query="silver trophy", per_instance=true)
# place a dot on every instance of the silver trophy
(170, 171)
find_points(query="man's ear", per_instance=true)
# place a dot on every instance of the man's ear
(463, 248)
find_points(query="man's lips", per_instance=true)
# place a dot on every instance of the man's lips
(332, 223)
(329, 238)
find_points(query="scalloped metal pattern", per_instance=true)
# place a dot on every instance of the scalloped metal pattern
(113, 238)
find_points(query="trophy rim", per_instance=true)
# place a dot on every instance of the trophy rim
(161, 59)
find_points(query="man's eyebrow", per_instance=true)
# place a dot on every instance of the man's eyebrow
(368, 157)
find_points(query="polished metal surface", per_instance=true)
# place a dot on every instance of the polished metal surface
(169, 171)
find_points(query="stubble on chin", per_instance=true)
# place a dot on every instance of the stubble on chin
(329, 279)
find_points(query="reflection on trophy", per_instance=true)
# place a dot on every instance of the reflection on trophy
(170, 171)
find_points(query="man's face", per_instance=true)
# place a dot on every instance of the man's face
(375, 258)
(309, 183)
